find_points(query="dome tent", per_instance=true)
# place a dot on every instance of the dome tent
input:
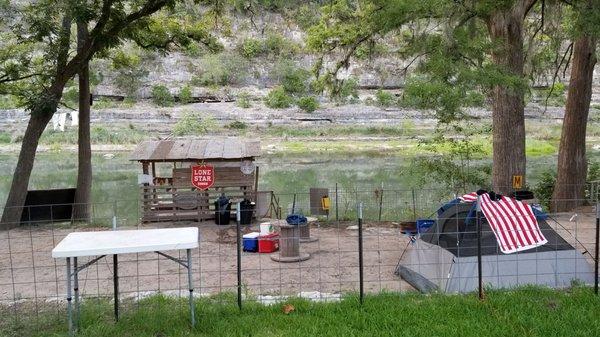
(444, 258)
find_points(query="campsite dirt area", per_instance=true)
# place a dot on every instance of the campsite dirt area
(27, 270)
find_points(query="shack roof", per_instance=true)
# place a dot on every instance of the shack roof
(195, 149)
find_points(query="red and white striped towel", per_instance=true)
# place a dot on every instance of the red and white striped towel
(513, 222)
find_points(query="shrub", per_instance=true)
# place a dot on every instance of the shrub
(348, 90)
(8, 102)
(221, 69)
(193, 124)
(384, 99)
(308, 103)
(278, 99)
(278, 45)
(293, 79)
(185, 95)
(243, 100)
(129, 72)
(544, 188)
(238, 125)
(251, 47)
(5, 137)
(161, 96)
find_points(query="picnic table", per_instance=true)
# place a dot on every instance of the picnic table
(103, 243)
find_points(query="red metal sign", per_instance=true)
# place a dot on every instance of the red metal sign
(203, 176)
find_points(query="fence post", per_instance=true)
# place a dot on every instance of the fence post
(414, 204)
(336, 202)
(380, 201)
(479, 266)
(360, 252)
(239, 256)
(596, 249)
(114, 217)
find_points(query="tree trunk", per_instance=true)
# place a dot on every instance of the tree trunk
(508, 121)
(572, 164)
(82, 207)
(20, 182)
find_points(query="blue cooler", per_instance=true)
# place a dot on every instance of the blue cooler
(250, 242)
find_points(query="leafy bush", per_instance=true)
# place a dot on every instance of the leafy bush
(161, 96)
(8, 102)
(238, 125)
(384, 99)
(185, 95)
(307, 16)
(308, 103)
(243, 100)
(5, 137)
(129, 72)
(293, 79)
(278, 45)
(251, 47)
(193, 124)
(544, 188)
(278, 99)
(348, 91)
(221, 69)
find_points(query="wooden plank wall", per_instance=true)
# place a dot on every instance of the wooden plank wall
(182, 202)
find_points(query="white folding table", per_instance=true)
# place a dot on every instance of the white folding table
(102, 243)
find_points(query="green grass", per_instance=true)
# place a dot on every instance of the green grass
(99, 135)
(524, 312)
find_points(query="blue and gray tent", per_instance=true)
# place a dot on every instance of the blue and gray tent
(444, 257)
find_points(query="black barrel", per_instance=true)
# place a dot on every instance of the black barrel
(246, 209)
(222, 210)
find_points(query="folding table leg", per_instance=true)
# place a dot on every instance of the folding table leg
(76, 289)
(69, 310)
(116, 285)
(191, 287)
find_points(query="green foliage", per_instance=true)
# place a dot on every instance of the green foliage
(554, 95)
(251, 47)
(243, 100)
(306, 16)
(293, 79)
(5, 137)
(221, 69)
(237, 125)
(129, 71)
(544, 188)
(185, 95)
(193, 124)
(161, 96)
(9, 102)
(98, 135)
(308, 103)
(278, 98)
(541, 311)
(348, 91)
(274, 44)
(384, 98)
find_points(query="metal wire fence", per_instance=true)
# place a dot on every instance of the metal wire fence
(368, 241)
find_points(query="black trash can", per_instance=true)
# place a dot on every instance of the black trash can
(246, 209)
(222, 210)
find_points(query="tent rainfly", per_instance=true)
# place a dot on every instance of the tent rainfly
(444, 258)
(167, 193)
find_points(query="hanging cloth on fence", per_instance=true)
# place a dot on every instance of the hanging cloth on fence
(513, 222)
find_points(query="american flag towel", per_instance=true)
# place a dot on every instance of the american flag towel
(513, 222)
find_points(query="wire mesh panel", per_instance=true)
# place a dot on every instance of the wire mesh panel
(318, 260)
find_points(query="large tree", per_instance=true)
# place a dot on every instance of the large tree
(569, 190)
(47, 24)
(461, 48)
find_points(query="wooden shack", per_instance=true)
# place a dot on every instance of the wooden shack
(166, 190)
